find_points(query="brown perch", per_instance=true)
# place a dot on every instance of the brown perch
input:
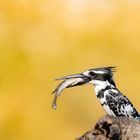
(114, 128)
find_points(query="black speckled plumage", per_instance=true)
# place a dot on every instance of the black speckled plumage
(121, 106)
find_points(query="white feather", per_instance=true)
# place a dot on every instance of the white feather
(99, 85)
(98, 72)
(108, 110)
(129, 108)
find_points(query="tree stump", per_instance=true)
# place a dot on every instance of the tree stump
(114, 128)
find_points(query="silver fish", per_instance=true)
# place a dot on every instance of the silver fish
(69, 81)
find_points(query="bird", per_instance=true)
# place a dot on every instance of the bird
(111, 99)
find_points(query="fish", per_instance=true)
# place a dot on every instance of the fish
(68, 81)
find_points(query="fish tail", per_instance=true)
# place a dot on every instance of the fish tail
(54, 105)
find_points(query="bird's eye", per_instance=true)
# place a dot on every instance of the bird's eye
(91, 73)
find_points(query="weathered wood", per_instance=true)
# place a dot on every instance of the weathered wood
(114, 128)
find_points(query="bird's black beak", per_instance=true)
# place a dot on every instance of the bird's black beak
(78, 79)
(69, 81)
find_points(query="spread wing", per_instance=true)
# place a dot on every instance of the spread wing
(121, 106)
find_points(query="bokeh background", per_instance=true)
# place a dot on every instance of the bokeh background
(41, 40)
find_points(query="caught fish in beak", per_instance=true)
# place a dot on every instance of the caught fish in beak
(69, 81)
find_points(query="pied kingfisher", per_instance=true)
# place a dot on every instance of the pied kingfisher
(112, 100)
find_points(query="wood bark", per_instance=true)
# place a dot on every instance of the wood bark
(114, 128)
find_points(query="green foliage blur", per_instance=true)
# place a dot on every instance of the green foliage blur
(41, 40)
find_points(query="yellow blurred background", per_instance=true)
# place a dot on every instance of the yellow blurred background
(41, 40)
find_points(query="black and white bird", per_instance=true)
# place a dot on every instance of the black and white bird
(112, 100)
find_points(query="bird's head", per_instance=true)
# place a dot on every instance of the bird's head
(100, 75)
(94, 76)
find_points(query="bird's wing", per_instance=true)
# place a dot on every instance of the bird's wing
(121, 106)
(65, 84)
